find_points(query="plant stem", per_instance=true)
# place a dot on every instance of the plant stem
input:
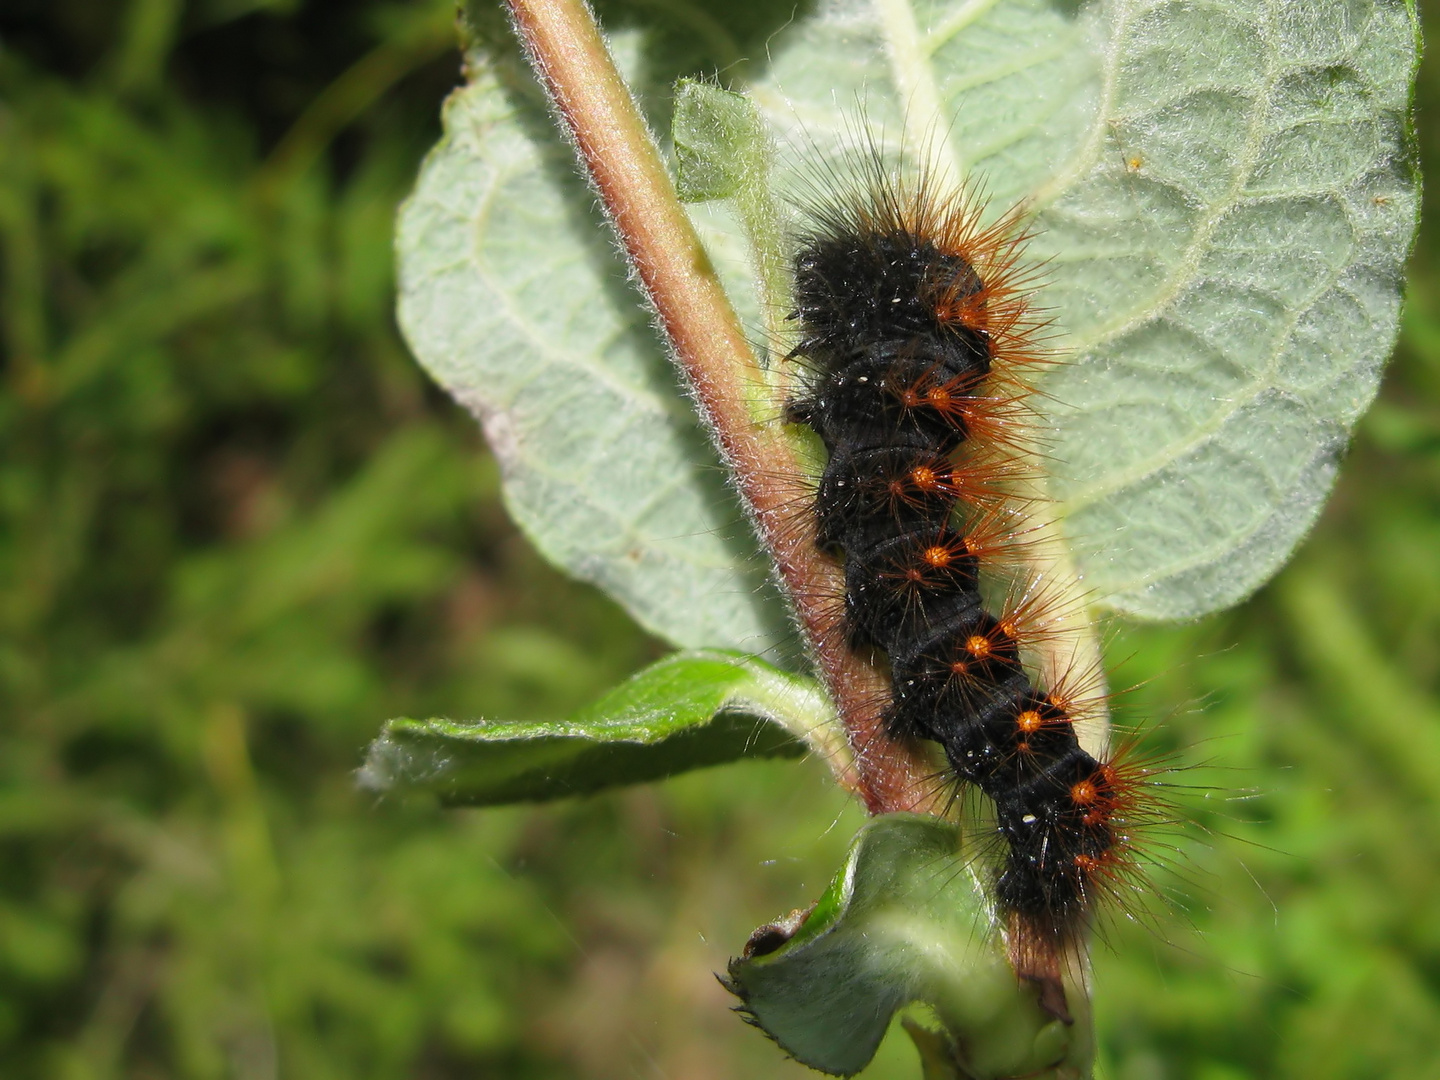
(622, 162)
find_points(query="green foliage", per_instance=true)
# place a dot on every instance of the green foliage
(239, 531)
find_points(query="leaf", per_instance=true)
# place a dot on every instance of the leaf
(902, 922)
(685, 712)
(513, 297)
(720, 143)
(1268, 311)
(1225, 194)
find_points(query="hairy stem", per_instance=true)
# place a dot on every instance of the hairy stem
(620, 157)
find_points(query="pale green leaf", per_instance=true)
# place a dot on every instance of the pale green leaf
(685, 712)
(514, 298)
(1224, 193)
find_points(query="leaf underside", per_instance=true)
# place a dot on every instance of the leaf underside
(1224, 195)
(684, 712)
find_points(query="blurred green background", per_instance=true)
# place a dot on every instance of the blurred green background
(239, 529)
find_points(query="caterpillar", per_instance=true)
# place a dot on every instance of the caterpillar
(917, 328)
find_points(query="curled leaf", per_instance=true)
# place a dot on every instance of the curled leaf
(902, 922)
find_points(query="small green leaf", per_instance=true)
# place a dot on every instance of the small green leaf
(724, 150)
(685, 712)
(904, 921)
(720, 142)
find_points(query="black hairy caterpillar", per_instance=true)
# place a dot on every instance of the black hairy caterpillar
(916, 325)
